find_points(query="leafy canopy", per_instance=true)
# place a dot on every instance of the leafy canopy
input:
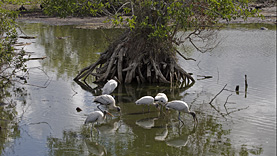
(161, 17)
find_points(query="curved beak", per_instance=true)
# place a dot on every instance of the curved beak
(109, 114)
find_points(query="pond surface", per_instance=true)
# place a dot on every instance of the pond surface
(234, 124)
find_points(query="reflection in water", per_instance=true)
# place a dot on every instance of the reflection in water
(95, 148)
(181, 139)
(161, 134)
(109, 128)
(178, 141)
(146, 123)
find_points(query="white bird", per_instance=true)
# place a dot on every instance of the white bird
(181, 106)
(161, 99)
(107, 100)
(96, 116)
(109, 87)
(145, 100)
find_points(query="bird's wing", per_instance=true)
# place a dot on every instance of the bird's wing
(145, 100)
(109, 87)
(178, 105)
(92, 117)
(103, 99)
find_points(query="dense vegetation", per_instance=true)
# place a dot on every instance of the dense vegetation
(11, 60)
(146, 52)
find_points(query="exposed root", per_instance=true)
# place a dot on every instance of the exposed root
(132, 59)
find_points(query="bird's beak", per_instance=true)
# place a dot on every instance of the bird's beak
(110, 114)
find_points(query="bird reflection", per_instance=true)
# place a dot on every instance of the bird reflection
(95, 148)
(181, 140)
(146, 123)
(109, 128)
(162, 134)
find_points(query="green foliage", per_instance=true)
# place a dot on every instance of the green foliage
(159, 19)
(11, 61)
(63, 8)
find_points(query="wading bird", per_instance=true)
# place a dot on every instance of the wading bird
(181, 106)
(107, 100)
(96, 116)
(146, 100)
(109, 87)
(161, 99)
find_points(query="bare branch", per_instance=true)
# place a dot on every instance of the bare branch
(184, 56)
(217, 94)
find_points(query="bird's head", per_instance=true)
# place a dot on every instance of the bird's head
(194, 116)
(116, 79)
(118, 108)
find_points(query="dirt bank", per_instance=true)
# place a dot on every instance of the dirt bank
(36, 16)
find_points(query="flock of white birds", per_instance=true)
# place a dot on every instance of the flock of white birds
(159, 100)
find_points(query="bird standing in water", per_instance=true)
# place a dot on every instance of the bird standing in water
(109, 87)
(161, 99)
(96, 116)
(145, 100)
(181, 106)
(107, 100)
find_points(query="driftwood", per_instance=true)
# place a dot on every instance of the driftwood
(28, 37)
(132, 59)
(37, 58)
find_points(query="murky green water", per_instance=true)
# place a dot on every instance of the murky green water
(48, 123)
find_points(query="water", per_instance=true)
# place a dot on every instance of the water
(48, 123)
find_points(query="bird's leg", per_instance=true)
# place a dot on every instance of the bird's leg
(91, 130)
(148, 108)
(179, 117)
(97, 130)
(161, 110)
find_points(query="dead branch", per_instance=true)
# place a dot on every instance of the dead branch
(227, 100)
(37, 58)
(184, 56)
(217, 94)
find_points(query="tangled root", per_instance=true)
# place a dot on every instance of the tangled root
(136, 59)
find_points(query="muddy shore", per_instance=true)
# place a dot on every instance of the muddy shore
(269, 12)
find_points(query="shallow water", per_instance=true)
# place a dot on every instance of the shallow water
(50, 125)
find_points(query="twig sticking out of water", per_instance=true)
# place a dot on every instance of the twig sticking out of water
(227, 113)
(217, 94)
(246, 86)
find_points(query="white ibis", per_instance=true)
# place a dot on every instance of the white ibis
(107, 100)
(96, 116)
(161, 99)
(145, 100)
(109, 87)
(181, 106)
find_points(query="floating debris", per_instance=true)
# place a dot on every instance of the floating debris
(78, 109)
